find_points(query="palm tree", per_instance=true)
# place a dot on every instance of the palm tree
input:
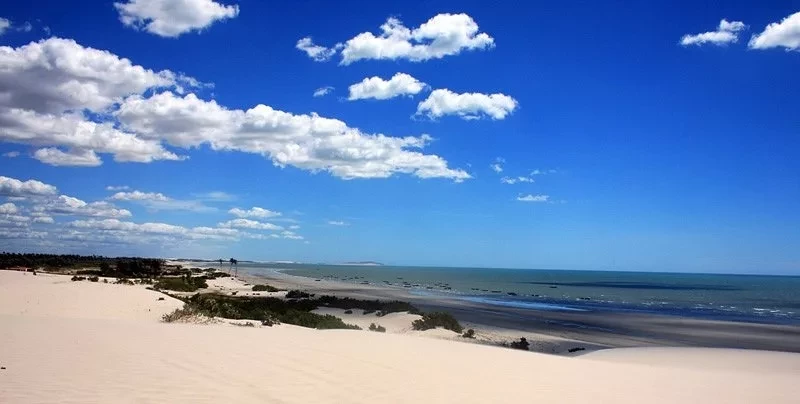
(235, 262)
(220, 264)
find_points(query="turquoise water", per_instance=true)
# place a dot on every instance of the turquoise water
(774, 299)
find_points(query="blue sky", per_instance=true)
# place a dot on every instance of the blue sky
(660, 136)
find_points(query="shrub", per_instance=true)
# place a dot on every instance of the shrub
(437, 319)
(123, 281)
(521, 344)
(265, 288)
(181, 284)
(88, 272)
(178, 314)
(348, 312)
(297, 294)
(78, 278)
(368, 305)
(214, 275)
(368, 312)
(469, 334)
(94, 279)
(376, 328)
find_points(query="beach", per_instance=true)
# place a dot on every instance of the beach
(63, 341)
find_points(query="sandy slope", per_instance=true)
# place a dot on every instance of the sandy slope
(86, 342)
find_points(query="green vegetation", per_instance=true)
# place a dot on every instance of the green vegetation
(369, 306)
(469, 334)
(77, 278)
(94, 279)
(265, 288)
(437, 319)
(269, 310)
(178, 314)
(298, 294)
(377, 328)
(181, 284)
(521, 344)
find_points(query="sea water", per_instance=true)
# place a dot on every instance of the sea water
(772, 299)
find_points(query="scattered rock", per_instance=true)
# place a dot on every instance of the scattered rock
(571, 350)
(160, 298)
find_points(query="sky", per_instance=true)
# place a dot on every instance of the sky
(660, 136)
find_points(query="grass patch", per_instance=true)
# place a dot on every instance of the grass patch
(265, 288)
(178, 315)
(181, 284)
(430, 321)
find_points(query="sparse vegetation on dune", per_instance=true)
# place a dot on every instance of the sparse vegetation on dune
(376, 328)
(430, 321)
(265, 288)
(181, 284)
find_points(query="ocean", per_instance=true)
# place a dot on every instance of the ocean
(753, 298)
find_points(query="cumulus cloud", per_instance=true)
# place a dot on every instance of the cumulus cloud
(338, 223)
(16, 188)
(8, 208)
(309, 142)
(727, 32)
(159, 201)
(45, 86)
(442, 35)
(323, 91)
(74, 157)
(468, 106)
(116, 226)
(514, 180)
(55, 75)
(172, 18)
(255, 211)
(533, 198)
(784, 34)
(316, 52)
(44, 219)
(68, 205)
(249, 224)
(380, 89)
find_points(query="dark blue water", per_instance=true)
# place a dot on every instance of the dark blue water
(772, 299)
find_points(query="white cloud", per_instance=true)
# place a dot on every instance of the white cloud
(338, 223)
(119, 228)
(380, 89)
(215, 196)
(74, 157)
(294, 227)
(139, 196)
(309, 142)
(43, 219)
(8, 208)
(291, 235)
(249, 224)
(255, 211)
(468, 106)
(117, 188)
(533, 198)
(67, 205)
(514, 180)
(26, 27)
(16, 188)
(316, 52)
(159, 201)
(497, 166)
(11, 154)
(55, 75)
(172, 18)
(726, 33)
(779, 34)
(440, 36)
(323, 91)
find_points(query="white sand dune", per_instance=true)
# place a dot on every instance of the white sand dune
(80, 342)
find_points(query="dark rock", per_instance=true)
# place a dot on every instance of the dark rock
(571, 350)
(160, 298)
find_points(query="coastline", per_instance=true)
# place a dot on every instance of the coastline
(110, 345)
(557, 331)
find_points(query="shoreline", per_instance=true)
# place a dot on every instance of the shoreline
(112, 344)
(592, 330)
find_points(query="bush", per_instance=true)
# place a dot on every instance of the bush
(348, 312)
(521, 344)
(376, 328)
(78, 278)
(265, 288)
(297, 294)
(123, 281)
(181, 284)
(214, 275)
(178, 314)
(368, 312)
(94, 279)
(469, 334)
(88, 272)
(367, 305)
(437, 319)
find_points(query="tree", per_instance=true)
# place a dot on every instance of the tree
(236, 263)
